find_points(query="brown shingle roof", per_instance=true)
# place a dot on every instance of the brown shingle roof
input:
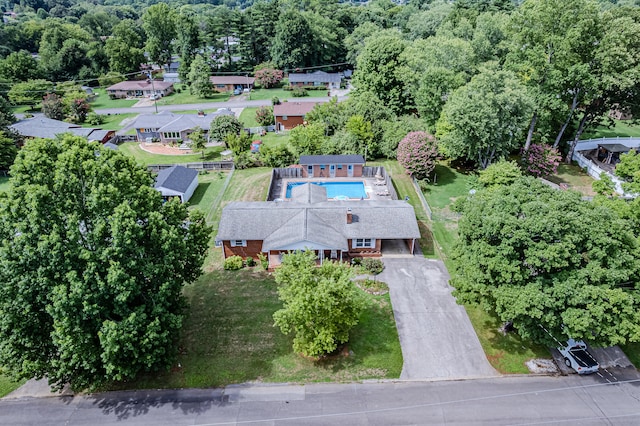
(293, 108)
(231, 79)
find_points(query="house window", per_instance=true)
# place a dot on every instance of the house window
(171, 135)
(339, 166)
(364, 243)
(238, 243)
(284, 117)
(221, 86)
(322, 167)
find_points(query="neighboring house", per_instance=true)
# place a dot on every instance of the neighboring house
(177, 181)
(229, 83)
(172, 67)
(316, 78)
(291, 114)
(140, 88)
(167, 127)
(331, 165)
(43, 127)
(333, 229)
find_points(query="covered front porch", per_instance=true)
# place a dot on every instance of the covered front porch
(322, 255)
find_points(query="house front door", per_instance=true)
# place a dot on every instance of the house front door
(332, 170)
(350, 170)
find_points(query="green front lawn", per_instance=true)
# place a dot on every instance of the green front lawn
(145, 158)
(7, 385)
(248, 117)
(102, 101)
(229, 337)
(267, 94)
(184, 97)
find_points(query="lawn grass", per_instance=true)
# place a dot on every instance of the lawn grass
(7, 385)
(145, 158)
(4, 183)
(112, 121)
(506, 353)
(102, 100)
(622, 128)
(208, 190)
(576, 178)
(184, 97)
(248, 117)
(229, 338)
(632, 351)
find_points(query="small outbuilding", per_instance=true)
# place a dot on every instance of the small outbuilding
(177, 181)
(330, 166)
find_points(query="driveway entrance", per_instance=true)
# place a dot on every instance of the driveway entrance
(435, 333)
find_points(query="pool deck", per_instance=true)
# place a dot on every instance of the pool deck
(375, 189)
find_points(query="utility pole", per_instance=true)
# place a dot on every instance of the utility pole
(153, 88)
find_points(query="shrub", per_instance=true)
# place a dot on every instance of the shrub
(417, 153)
(299, 92)
(95, 119)
(604, 185)
(373, 286)
(264, 262)
(264, 116)
(233, 263)
(373, 266)
(501, 173)
(275, 100)
(250, 261)
(356, 261)
(541, 160)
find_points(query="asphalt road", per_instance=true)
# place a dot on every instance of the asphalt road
(437, 338)
(204, 105)
(496, 401)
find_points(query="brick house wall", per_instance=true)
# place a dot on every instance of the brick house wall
(289, 123)
(252, 249)
(339, 172)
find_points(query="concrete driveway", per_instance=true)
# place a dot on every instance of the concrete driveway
(435, 333)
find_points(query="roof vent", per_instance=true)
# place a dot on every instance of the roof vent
(349, 216)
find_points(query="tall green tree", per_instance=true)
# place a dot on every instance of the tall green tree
(379, 71)
(257, 30)
(19, 66)
(292, 43)
(8, 151)
(533, 256)
(124, 48)
(307, 140)
(105, 268)
(29, 92)
(198, 140)
(224, 125)
(321, 304)
(485, 119)
(159, 24)
(188, 41)
(199, 78)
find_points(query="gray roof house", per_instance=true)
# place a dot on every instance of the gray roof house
(177, 181)
(43, 127)
(168, 127)
(309, 221)
(316, 78)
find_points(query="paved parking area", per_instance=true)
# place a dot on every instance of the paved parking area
(435, 333)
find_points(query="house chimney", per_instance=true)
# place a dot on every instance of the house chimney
(349, 216)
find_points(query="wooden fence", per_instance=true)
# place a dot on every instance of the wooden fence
(202, 165)
(275, 185)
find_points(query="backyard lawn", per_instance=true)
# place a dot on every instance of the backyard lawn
(248, 117)
(622, 128)
(112, 121)
(145, 158)
(576, 178)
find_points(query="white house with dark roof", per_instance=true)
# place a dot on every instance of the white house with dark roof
(309, 221)
(140, 88)
(177, 181)
(316, 78)
(167, 127)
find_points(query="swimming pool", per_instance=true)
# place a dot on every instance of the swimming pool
(335, 189)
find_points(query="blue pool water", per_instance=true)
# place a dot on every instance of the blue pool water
(335, 189)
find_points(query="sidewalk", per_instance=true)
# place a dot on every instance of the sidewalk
(37, 389)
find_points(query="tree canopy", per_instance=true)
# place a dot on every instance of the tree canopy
(545, 258)
(93, 264)
(321, 304)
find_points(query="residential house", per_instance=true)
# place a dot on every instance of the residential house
(177, 181)
(316, 78)
(291, 114)
(43, 127)
(331, 165)
(172, 67)
(332, 229)
(167, 127)
(140, 88)
(171, 77)
(229, 83)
